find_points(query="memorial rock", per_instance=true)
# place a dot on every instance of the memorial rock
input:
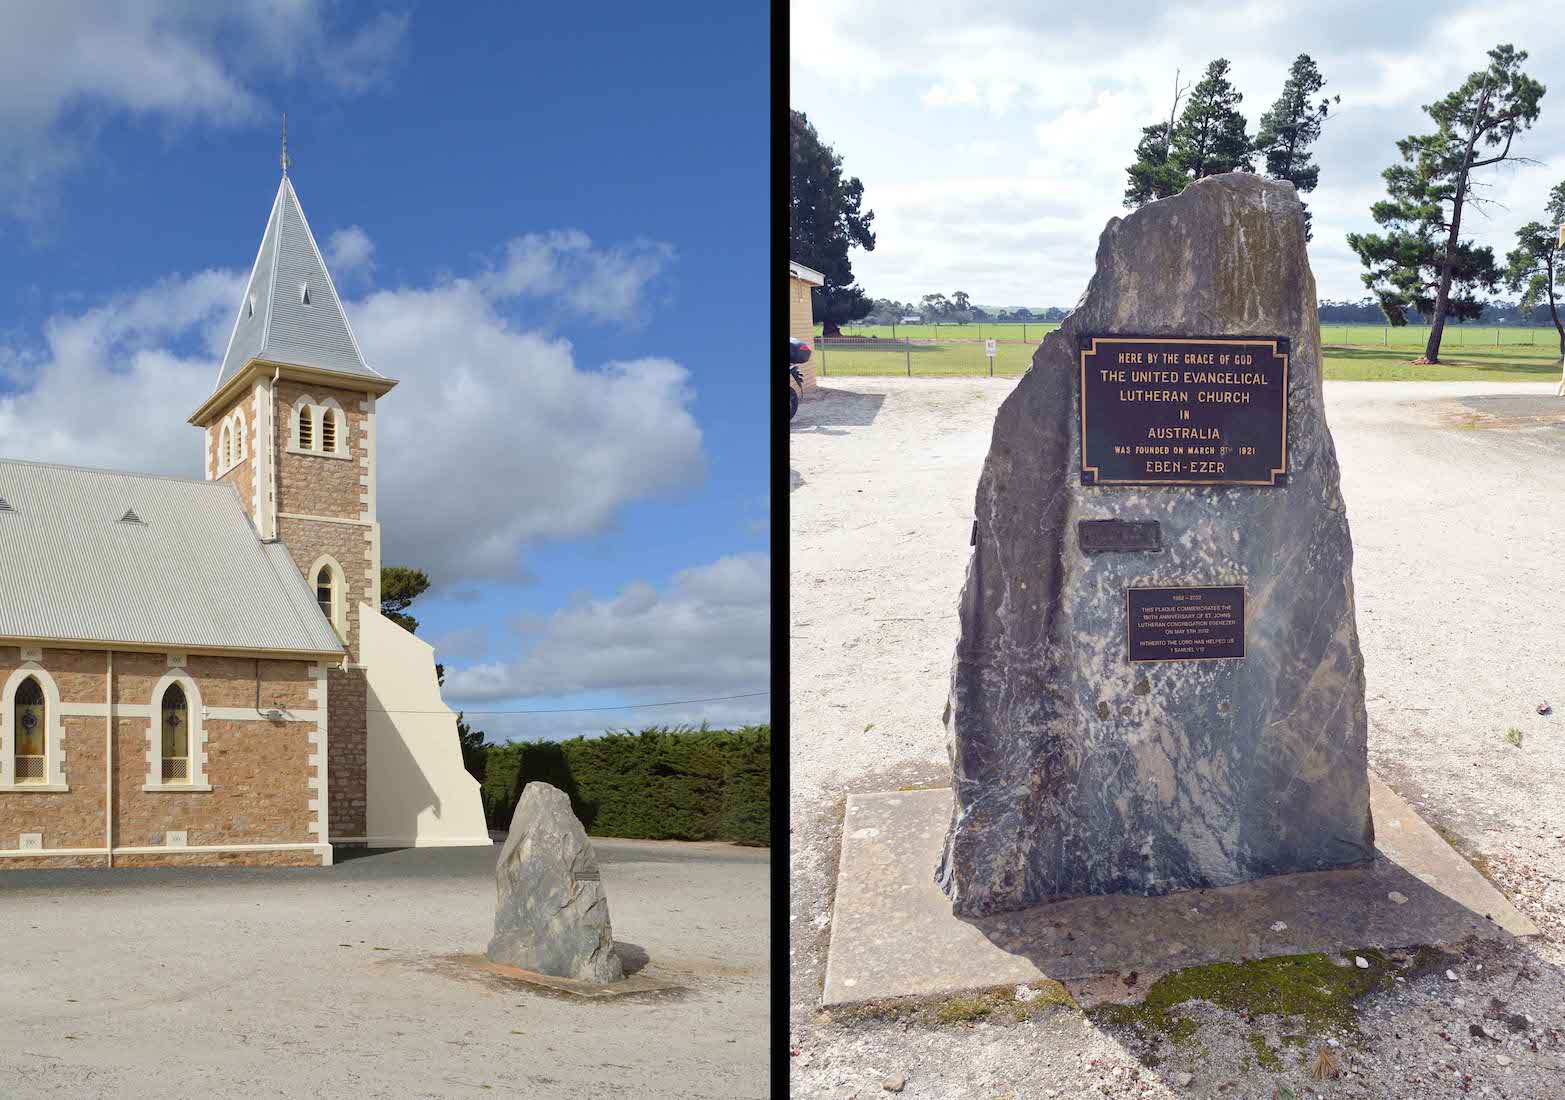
(551, 914)
(1158, 683)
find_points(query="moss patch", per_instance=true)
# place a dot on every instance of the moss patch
(1265, 1056)
(997, 1005)
(1316, 991)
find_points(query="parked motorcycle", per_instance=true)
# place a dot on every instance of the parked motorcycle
(798, 352)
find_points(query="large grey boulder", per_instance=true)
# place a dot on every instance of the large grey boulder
(552, 914)
(1077, 772)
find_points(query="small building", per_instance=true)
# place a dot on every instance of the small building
(197, 671)
(801, 316)
(914, 320)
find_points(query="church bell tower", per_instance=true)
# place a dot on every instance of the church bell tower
(290, 423)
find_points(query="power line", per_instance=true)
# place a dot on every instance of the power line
(587, 710)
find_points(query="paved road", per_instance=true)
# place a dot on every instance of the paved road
(1456, 500)
(357, 980)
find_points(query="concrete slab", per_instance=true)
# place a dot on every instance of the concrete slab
(893, 933)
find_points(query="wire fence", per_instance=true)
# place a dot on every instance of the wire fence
(1007, 349)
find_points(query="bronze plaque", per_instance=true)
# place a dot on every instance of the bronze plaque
(1184, 411)
(1107, 536)
(1185, 624)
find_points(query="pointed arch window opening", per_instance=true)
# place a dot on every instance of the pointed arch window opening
(306, 429)
(176, 735)
(325, 594)
(31, 724)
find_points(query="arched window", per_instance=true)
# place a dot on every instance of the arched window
(176, 735)
(329, 431)
(225, 446)
(32, 720)
(323, 594)
(306, 429)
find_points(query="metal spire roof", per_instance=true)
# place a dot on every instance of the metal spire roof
(290, 312)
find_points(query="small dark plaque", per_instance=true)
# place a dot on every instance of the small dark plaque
(1184, 411)
(1103, 536)
(1185, 624)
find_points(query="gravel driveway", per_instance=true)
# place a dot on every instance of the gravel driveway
(350, 981)
(1456, 498)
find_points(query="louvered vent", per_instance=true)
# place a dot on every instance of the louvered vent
(5, 505)
(304, 293)
(130, 516)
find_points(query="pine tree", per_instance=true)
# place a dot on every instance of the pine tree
(1291, 127)
(1533, 266)
(1152, 176)
(1210, 137)
(1422, 260)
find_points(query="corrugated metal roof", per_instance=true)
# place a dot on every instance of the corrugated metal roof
(275, 323)
(191, 574)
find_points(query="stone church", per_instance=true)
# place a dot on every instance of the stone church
(197, 671)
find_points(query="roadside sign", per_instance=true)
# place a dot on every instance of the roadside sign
(989, 348)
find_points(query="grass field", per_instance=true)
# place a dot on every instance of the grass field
(1408, 336)
(1356, 359)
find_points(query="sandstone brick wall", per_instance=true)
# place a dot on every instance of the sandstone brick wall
(258, 769)
(349, 546)
(318, 485)
(347, 752)
(242, 476)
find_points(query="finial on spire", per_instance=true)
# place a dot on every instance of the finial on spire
(284, 157)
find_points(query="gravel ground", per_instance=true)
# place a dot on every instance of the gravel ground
(1453, 493)
(349, 981)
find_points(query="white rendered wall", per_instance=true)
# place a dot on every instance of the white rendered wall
(420, 795)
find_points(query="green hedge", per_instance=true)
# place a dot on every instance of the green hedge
(659, 784)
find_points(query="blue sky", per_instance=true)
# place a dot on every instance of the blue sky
(553, 229)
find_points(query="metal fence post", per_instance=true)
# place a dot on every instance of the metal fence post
(823, 355)
(1024, 332)
(907, 350)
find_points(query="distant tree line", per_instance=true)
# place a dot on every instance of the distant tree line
(1534, 272)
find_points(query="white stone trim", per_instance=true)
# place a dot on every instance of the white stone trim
(318, 803)
(158, 850)
(196, 738)
(32, 653)
(293, 450)
(319, 411)
(250, 714)
(372, 569)
(367, 460)
(339, 591)
(54, 732)
(207, 453)
(101, 710)
(259, 451)
(176, 788)
(323, 519)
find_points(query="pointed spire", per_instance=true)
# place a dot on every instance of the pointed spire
(290, 312)
(284, 157)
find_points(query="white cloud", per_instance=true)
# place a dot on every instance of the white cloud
(496, 438)
(706, 634)
(66, 69)
(466, 643)
(601, 284)
(350, 254)
(993, 139)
